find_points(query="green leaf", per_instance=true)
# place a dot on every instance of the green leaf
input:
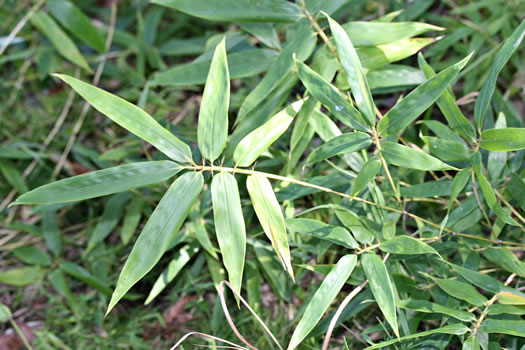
(377, 33)
(109, 220)
(319, 229)
(447, 104)
(182, 256)
(461, 290)
(237, 10)
(72, 18)
(270, 216)
(13, 176)
(32, 255)
(351, 220)
(504, 54)
(131, 118)
(5, 313)
(256, 142)
(131, 220)
(415, 103)
(393, 77)
(505, 139)
(408, 157)
(406, 245)
(328, 95)
(510, 327)
(428, 307)
(506, 259)
(85, 276)
(213, 115)
(354, 72)
(229, 226)
(345, 143)
(510, 298)
(366, 174)
(381, 286)
(471, 343)
(101, 183)
(447, 150)
(478, 279)
(21, 276)
(65, 47)
(264, 32)
(322, 298)
(161, 228)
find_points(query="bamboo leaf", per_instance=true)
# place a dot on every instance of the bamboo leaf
(510, 327)
(213, 115)
(32, 255)
(428, 307)
(472, 343)
(101, 183)
(229, 225)
(506, 259)
(366, 174)
(161, 228)
(345, 143)
(131, 118)
(256, 142)
(415, 103)
(270, 216)
(21, 276)
(319, 229)
(447, 150)
(505, 139)
(461, 290)
(377, 33)
(351, 220)
(354, 72)
(406, 245)
(408, 157)
(322, 298)
(381, 287)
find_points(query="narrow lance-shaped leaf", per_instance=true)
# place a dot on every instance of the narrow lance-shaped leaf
(366, 174)
(504, 54)
(212, 130)
(472, 343)
(44, 23)
(415, 103)
(330, 97)
(510, 327)
(101, 183)
(256, 142)
(407, 157)
(322, 298)
(131, 118)
(354, 72)
(229, 225)
(505, 139)
(381, 287)
(406, 245)
(334, 234)
(428, 307)
(270, 216)
(376, 33)
(461, 290)
(345, 143)
(161, 228)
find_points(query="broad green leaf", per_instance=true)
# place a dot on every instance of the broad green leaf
(131, 220)
(497, 161)
(322, 298)
(461, 290)
(408, 157)
(505, 139)
(351, 220)
(72, 18)
(510, 327)
(161, 228)
(428, 307)
(101, 183)
(456, 329)
(381, 286)
(498, 309)
(472, 343)
(13, 176)
(131, 118)
(504, 54)
(256, 142)
(366, 174)
(65, 47)
(345, 143)
(241, 64)
(182, 256)
(506, 259)
(509, 298)
(478, 279)
(354, 72)
(319, 229)
(229, 225)
(237, 10)
(212, 129)
(85, 276)
(393, 77)
(406, 245)
(447, 104)
(21, 276)
(32, 255)
(415, 103)
(270, 216)
(331, 98)
(458, 183)
(377, 33)
(447, 150)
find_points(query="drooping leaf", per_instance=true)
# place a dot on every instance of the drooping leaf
(461, 290)
(256, 142)
(237, 10)
(505, 139)
(161, 228)
(381, 287)
(504, 54)
(428, 307)
(345, 143)
(510, 327)
(506, 259)
(406, 245)
(213, 115)
(322, 298)
(408, 157)
(319, 229)
(270, 216)
(366, 174)
(131, 118)
(376, 33)
(101, 183)
(415, 103)
(229, 225)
